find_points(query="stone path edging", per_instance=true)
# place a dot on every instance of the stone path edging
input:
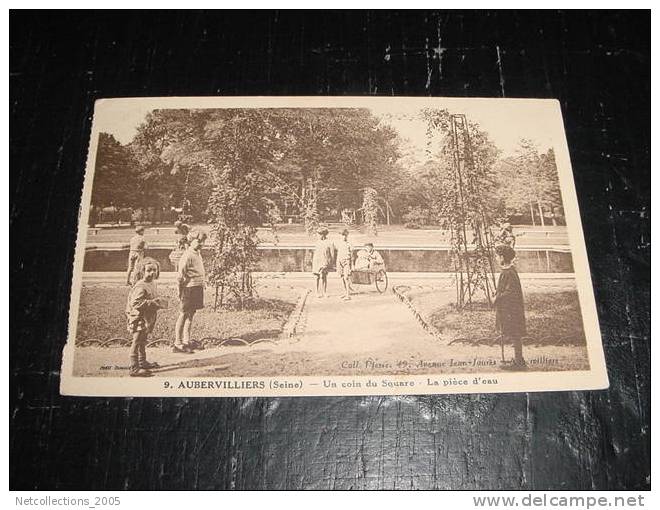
(293, 323)
(431, 330)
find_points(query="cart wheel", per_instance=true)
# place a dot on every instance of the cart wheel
(381, 281)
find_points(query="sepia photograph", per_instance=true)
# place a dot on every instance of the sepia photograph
(327, 246)
(270, 250)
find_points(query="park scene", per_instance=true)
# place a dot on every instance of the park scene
(334, 241)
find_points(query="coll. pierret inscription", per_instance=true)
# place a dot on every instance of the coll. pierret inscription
(329, 246)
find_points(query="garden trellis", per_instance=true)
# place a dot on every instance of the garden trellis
(473, 258)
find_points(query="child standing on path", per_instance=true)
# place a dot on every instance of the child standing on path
(191, 276)
(137, 246)
(510, 306)
(321, 261)
(344, 263)
(141, 309)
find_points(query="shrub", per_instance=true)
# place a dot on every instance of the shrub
(416, 217)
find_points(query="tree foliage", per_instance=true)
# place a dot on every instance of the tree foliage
(461, 179)
(329, 156)
(172, 164)
(115, 175)
(238, 168)
(529, 183)
(370, 209)
(241, 164)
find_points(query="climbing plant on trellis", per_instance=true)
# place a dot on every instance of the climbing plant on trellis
(370, 209)
(465, 200)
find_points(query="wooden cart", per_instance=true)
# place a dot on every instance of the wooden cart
(376, 276)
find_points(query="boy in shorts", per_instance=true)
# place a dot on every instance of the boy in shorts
(191, 276)
(344, 263)
(321, 262)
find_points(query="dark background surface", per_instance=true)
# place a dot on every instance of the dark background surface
(597, 65)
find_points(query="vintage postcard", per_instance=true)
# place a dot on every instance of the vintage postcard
(255, 246)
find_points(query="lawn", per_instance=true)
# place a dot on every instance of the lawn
(101, 316)
(553, 318)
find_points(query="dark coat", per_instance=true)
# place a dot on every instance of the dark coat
(509, 305)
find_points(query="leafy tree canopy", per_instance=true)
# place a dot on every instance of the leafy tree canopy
(115, 175)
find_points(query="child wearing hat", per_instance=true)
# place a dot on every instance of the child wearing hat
(137, 246)
(321, 262)
(510, 306)
(141, 309)
(344, 263)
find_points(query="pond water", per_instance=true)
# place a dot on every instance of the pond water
(533, 260)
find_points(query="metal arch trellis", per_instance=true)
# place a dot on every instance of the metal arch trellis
(473, 259)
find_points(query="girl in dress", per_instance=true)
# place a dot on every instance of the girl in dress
(510, 306)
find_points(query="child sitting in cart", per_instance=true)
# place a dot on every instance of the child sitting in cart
(369, 259)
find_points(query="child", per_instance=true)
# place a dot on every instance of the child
(344, 263)
(506, 235)
(509, 306)
(191, 276)
(369, 258)
(321, 261)
(137, 246)
(141, 309)
(181, 232)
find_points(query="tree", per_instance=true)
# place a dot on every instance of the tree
(115, 177)
(244, 162)
(241, 197)
(173, 170)
(529, 182)
(552, 192)
(330, 151)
